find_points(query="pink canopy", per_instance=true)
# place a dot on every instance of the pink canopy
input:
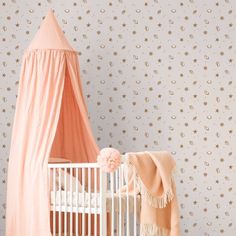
(50, 121)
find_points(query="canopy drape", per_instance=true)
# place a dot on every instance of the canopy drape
(50, 120)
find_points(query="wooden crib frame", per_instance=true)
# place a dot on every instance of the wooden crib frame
(95, 202)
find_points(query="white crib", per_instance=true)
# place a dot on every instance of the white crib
(87, 201)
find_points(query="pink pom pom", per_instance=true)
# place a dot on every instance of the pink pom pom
(109, 159)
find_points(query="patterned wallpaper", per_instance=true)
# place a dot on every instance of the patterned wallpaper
(156, 75)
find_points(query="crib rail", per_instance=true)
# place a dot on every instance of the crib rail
(87, 201)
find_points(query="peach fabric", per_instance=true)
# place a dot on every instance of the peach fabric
(50, 120)
(159, 209)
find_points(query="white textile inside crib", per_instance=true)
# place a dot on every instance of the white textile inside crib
(79, 200)
(66, 183)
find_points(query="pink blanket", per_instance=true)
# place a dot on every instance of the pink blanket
(159, 208)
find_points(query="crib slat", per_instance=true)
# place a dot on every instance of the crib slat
(112, 204)
(83, 200)
(120, 202)
(49, 184)
(77, 205)
(54, 207)
(71, 203)
(103, 212)
(117, 201)
(59, 202)
(135, 203)
(95, 192)
(49, 180)
(89, 203)
(65, 213)
(127, 199)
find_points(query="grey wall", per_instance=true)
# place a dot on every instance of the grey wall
(156, 75)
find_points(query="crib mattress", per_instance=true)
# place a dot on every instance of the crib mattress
(63, 199)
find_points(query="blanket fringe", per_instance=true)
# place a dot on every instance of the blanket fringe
(154, 201)
(157, 202)
(153, 230)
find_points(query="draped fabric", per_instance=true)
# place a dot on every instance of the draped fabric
(50, 120)
(159, 214)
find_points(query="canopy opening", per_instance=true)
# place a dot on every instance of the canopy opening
(69, 142)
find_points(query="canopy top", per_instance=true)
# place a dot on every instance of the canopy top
(50, 36)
